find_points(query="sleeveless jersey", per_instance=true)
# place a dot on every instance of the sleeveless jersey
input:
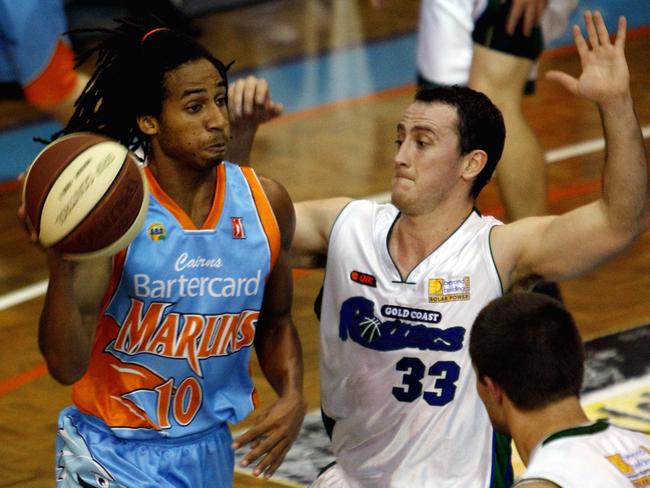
(396, 376)
(596, 455)
(172, 348)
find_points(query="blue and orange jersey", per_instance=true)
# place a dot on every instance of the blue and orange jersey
(173, 343)
(33, 52)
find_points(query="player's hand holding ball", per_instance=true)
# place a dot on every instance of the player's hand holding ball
(84, 196)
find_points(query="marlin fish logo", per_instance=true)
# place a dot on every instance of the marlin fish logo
(359, 322)
(76, 466)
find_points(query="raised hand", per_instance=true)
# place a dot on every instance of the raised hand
(530, 10)
(605, 75)
(249, 105)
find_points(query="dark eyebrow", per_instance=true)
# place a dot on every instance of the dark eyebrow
(194, 91)
(425, 129)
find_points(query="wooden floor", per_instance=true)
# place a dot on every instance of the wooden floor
(345, 149)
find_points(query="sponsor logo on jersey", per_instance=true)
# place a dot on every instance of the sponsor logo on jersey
(157, 232)
(183, 335)
(238, 231)
(363, 278)
(633, 465)
(359, 323)
(196, 286)
(185, 261)
(406, 313)
(448, 290)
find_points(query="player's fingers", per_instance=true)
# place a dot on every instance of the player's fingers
(262, 93)
(621, 32)
(248, 436)
(249, 95)
(263, 447)
(530, 19)
(592, 34)
(516, 11)
(274, 109)
(235, 95)
(541, 7)
(601, 29)
(567, 81)
(271, 464)
(580, 41)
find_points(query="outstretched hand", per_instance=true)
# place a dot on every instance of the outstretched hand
(605, 76)
(272, 435)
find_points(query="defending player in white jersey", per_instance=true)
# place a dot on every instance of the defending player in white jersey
(404, 281)
(529, 364)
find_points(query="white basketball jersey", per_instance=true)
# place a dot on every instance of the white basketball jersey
(396, 375)
(597, 455)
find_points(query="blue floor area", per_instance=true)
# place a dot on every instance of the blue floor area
(317, 80)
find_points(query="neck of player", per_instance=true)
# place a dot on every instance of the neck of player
(417, 234)
(528, 429)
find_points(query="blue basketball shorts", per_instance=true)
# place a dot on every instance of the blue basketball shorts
(88, 454)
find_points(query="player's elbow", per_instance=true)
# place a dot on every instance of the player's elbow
(626, 224)
(62, 367)
(65, 372)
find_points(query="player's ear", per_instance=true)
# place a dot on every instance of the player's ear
(495, 391)
(148, 124)
(473, 163)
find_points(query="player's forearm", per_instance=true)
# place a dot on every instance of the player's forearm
(65, 338)
(280, 356)
(240, 145)
(69, 317)
(625, 175)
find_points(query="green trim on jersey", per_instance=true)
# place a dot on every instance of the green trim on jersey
(502, 476)
(494, 262)
(598, 426)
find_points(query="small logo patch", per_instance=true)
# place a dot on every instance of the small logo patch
(448, 290)
(363, 278)
(157, 232)
(238, 231)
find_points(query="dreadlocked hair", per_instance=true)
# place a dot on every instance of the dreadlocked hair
(129, 78)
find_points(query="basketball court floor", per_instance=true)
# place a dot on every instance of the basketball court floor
(344, 72)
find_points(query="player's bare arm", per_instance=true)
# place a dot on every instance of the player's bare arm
(559, 247)
(249, 105)
(69, 318)
(279, 353)
(314, 221)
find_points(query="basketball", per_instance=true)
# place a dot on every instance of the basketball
(85, 195)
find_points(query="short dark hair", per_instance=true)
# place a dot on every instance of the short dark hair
(129, 78)
(480, 124)
(529, 345)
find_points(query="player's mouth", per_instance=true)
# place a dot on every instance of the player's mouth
(218, 149)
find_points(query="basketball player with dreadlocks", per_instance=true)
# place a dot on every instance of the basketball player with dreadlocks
(156, 341)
